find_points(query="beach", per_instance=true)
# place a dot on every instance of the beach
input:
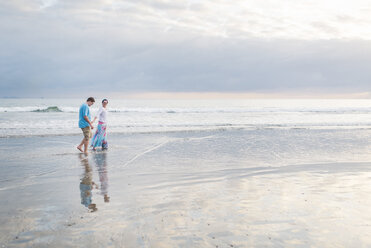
(185, 124)
(271, 187)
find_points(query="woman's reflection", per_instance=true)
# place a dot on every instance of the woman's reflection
(87, 184)
(101, 162)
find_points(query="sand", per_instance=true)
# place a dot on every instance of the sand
(267, 188)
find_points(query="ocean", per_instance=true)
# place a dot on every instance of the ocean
(44, 117)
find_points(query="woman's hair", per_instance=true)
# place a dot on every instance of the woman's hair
(104, 100)
(91, 99)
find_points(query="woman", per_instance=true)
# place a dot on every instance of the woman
(100, 136)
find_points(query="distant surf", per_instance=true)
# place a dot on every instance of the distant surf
(49, 117)
(48, 109)
(70, 109)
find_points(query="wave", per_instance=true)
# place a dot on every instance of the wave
(70, 109)
(32, 109)
(49, 109)
(25, 135)
(190, 128)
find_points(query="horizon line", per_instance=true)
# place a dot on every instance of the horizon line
(212, 95)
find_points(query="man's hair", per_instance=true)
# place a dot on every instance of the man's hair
(104, 100)
(91, 99)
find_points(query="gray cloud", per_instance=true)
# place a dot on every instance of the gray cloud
(55, 47)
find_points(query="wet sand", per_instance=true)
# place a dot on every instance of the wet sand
(207, 189)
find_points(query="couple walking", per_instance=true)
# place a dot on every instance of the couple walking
(86, 125)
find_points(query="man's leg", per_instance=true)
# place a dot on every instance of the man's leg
(87, 134)
(85, 141)
(81, 144)
(86, 144)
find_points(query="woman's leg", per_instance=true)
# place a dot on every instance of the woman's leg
(95, 141)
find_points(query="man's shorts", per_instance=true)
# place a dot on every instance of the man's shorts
(86, 132)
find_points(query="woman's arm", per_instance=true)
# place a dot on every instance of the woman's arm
(97, 115)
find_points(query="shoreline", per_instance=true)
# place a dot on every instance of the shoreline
(221, 129)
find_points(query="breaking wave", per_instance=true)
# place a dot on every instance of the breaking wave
(49, 109)
(69, 109)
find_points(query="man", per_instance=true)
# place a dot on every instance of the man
(85, 124)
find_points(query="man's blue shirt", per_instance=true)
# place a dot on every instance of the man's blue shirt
(84, 111)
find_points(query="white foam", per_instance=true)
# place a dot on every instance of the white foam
(169, 116)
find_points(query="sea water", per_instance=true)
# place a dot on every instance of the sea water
(43, 117)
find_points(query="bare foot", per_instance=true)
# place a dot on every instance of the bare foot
(79, 148)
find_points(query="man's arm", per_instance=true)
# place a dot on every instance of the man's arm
(88, 121)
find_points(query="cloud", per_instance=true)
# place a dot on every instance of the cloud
(195, 65)
(48, 3)
(242, 19)
(52, 47)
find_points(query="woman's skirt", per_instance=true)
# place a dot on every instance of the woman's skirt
(100, 136)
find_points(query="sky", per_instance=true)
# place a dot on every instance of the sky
(82, 47)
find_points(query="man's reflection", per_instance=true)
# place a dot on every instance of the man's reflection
(87, 184)
(101, 162)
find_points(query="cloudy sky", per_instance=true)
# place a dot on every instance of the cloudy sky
(64, 47)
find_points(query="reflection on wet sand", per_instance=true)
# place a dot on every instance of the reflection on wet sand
(101, 163)
(86, 184)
